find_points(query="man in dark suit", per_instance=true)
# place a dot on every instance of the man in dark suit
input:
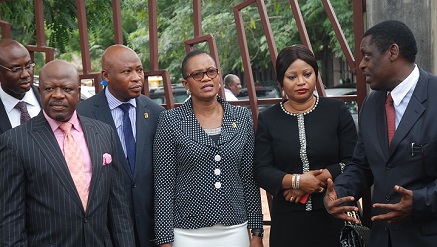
(16, 79)
(397, 143)
(59, 185)
(123, 71)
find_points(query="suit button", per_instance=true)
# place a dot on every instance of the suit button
(388, 166)
(85, 220)
(387, 198)
(218, 185)
(134, 185)
(217, 158)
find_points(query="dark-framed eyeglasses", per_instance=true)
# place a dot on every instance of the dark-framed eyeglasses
(19, 69)
(198, 75)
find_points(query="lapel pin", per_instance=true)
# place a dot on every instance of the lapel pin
(234, 125)
(146, 115)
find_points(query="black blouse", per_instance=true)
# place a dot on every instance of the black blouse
(330, 139)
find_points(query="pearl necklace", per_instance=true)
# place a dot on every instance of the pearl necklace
(302, 113)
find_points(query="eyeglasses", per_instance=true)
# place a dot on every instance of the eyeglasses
(198, 75)
(19, 69)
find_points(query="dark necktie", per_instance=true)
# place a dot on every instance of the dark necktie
(21, 106)
(391, 116)
(128, 136)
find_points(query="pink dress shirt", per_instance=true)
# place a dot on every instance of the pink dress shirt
(79, 137)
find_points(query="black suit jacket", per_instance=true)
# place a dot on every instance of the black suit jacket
(5, 125)
(138, 186)
(39, 203)
(411, 162)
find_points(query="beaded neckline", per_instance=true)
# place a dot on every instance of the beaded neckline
(302, 113)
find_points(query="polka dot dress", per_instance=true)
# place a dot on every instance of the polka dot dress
(199, 182)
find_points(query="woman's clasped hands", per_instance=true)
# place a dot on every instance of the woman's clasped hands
(302, 185)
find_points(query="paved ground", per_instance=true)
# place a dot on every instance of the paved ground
(266, 216)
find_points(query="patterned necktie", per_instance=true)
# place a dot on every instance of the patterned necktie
(73, 157)
(390, 114)
(21, 106)
(128, 136)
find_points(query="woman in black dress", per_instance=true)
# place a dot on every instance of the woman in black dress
(300, 143)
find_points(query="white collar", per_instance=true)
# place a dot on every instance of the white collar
(399, 92)
(9, 102)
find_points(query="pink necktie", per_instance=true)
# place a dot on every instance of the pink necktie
(73, 157)
(390, 114)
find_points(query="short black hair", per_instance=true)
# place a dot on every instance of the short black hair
(290, 54)
(386, 33)
(188, 57)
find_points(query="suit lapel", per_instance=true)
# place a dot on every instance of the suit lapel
(96, 155)
(142, 131)
(5, 124)
(230, 123)
(412, 113)
(191, 127)
(102, 113)
(36, 93)
(45, 139)
(382, 134)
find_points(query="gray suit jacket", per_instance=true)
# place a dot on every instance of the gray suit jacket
(138, 186)
(39, 203)
(5, 125)
(411, 162)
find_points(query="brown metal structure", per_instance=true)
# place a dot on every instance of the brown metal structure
(253, 102)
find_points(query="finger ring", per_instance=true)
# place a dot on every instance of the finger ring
(291, 199)
(321, 189)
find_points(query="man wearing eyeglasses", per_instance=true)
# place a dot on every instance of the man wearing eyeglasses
(18, 103)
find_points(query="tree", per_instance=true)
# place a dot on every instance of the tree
(175, 24)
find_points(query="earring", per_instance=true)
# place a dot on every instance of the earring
(188, 92)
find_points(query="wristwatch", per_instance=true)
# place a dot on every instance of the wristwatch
(257, 232)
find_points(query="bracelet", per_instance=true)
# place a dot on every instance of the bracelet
(257, 232)
(293, 181)
(342, 166)
(298, 182)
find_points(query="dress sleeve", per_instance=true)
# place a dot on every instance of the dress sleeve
(251, 190)
(266, 174)
(347, 138)
(164, 156)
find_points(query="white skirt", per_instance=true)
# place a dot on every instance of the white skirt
(214, 236)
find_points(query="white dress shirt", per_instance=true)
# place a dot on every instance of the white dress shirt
(402, 93)
(230, 95)
(14, 114)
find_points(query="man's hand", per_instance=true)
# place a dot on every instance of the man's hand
(398, 211)
(335, 207)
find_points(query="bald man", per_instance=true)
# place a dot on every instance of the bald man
(232, 87)
(59, 185)
(19, 99)
(134, 117)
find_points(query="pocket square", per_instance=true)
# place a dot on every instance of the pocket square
(107, 158)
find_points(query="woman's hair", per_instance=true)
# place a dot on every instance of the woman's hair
(290, 54)
(188, 57)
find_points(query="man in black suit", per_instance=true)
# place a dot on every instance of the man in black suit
(123, 71)
(396, 150)
(59, 185)
(16, 79)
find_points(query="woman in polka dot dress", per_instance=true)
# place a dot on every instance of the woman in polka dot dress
(205, 194)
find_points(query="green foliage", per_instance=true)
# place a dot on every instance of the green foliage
(175, 25)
